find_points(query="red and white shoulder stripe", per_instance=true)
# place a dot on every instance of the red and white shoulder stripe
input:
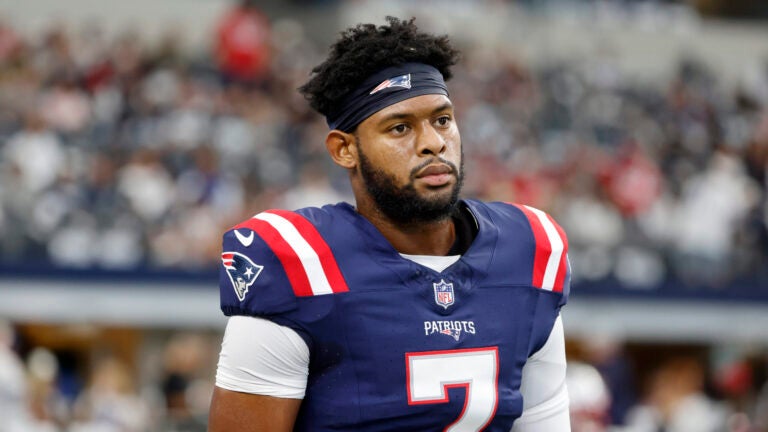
(550, 264)
(306, 257)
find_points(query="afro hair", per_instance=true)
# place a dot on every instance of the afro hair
(366, 49)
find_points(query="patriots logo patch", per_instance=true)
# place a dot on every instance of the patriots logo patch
(399, 81)
(241, 270)
(454, 333)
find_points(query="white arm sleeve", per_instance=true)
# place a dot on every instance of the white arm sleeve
(545, 395)
(261, 357)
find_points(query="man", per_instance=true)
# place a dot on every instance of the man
(242, 43)
(412, 310)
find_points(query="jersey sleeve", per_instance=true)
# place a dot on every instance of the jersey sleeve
(252, 280)
(545, 395)
(550, 273)
(551, 267)
(275, 258)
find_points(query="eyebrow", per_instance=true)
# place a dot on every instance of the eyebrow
(398, 116)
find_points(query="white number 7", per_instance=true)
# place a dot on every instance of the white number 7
(431, 374)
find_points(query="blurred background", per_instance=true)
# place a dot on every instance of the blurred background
(133, 134)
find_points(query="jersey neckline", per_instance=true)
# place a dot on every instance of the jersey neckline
(477, 256)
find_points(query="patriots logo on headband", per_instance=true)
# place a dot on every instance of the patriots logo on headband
(242, 272)
(398, 81)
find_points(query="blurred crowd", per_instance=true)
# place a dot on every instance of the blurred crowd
(119, 154)
(46, 390)
(677, 392)
(650, 182)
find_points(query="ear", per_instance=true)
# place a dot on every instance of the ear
(342, 147)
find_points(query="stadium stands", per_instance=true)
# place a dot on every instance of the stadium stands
(123, 160)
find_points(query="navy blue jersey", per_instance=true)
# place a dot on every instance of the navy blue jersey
(394, 345)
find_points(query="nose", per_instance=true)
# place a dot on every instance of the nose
(431, 141)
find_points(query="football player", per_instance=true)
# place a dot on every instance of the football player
(411, 310)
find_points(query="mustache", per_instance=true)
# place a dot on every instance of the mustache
(454, 170)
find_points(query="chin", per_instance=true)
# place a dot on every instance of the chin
(438, 198)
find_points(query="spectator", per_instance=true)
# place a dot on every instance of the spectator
(314, 188)
(185, 358)
(147, 185)
(676, 401)
(49, 410)
(712, 206)
(110, 402)
(243, 43)
(13, 386)
(589, 398)
(34, 174)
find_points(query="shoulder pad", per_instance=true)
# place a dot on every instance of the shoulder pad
(551, 267)
(273, 258)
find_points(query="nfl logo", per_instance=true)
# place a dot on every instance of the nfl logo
(443, 293)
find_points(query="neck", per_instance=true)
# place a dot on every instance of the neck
(420, 238)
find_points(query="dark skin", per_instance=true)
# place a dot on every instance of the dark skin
(398, 139)
(236, 411)
(410, 134)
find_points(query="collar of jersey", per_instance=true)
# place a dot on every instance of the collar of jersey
(477, 257)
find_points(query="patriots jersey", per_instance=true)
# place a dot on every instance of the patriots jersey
(395, 345)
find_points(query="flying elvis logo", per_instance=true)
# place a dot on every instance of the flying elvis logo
(241, 270)
(399, 81)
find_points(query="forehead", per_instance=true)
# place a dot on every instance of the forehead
(417, 106)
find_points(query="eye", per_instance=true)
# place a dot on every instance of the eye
(443, 120)
(398, 129)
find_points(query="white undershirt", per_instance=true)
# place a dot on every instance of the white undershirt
(261, 357)
(437, 263)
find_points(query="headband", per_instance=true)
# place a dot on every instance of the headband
(384, 88)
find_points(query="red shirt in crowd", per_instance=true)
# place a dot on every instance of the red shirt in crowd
(242, 44)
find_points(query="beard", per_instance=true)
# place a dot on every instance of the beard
(403, 204)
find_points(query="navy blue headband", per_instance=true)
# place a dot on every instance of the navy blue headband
(382, 89)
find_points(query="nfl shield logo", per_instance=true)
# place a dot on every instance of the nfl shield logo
(443, 293)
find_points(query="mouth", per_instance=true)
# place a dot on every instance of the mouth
(435, 175)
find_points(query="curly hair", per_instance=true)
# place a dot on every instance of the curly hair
(366, 49)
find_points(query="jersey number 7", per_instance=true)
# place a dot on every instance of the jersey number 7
(430, 374)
